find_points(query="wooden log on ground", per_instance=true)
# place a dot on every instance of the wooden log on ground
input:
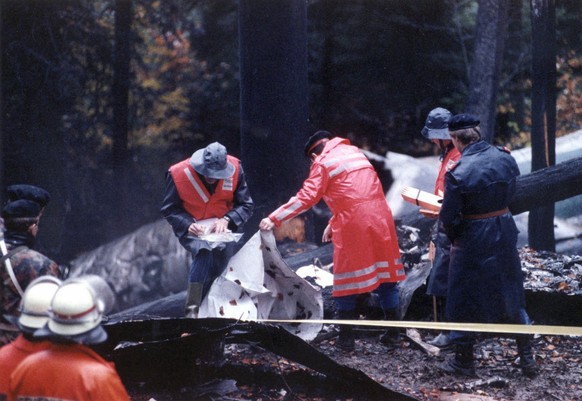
(547, 185)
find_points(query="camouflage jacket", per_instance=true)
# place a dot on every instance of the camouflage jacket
(27, 264)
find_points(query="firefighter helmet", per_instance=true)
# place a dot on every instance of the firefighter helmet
(35, 303)
(75, 315)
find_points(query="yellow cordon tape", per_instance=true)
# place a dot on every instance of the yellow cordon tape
(477, 327)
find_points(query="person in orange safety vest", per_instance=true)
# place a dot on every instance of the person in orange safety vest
(366, 255)
(436, 130)
(210, 184)
(70, 369)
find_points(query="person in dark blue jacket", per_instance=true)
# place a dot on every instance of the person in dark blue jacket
(485, 280)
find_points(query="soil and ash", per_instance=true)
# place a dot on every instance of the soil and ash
(251, 373)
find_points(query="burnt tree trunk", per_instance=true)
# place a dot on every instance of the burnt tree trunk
(120, 96)
(543, 114)
(547, 186)
(486, 64)
(273, 100)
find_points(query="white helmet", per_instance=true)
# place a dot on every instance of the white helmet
(35, 303)
(75, 314)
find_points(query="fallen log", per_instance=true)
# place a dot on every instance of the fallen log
(547, 185)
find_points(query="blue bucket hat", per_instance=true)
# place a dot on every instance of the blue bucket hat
(211, 162)
(436, 125)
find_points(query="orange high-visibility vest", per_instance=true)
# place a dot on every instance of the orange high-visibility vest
(195, 197)
(449, 161)
(366, 251)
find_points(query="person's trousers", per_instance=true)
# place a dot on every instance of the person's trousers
(387, 293)
(469, 338)
(206, 266)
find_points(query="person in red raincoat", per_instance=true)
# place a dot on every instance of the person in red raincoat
(366, 255)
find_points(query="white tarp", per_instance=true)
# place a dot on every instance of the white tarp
(258, 284)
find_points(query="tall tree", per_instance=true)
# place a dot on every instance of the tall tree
(1, 124)
(120, 96)
(273, 99)
(486, 64)
(543, 131)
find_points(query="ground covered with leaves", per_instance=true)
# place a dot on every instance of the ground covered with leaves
(408, 369)
(250, 373)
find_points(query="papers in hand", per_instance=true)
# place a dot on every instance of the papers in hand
(222, 237)
(227, 236)
(423, 199)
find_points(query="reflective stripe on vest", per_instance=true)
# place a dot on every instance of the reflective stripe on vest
(196, 200)
(196, 186)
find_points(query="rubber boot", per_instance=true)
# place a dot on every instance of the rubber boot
(462, 363)
(442, 340)
(526, 358)
(391, 336)
(193, 300)
(346, 338)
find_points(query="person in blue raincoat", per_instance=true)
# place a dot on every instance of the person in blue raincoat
(485, 280)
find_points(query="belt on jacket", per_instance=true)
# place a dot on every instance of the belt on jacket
(486, 215)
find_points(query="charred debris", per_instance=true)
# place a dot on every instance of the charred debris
(154, 347)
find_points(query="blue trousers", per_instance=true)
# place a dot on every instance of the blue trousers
(387, 293)
(468, 337)
(206, 266)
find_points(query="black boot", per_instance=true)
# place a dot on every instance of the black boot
(462, 363)
(526, 358)
(346, 338)
(391, 336)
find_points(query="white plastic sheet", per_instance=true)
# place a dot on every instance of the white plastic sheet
(258, 284)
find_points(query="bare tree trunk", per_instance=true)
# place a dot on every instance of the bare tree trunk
(1, 122)
(274, 99)
(486, 64)
(543, 132)
(120, 95)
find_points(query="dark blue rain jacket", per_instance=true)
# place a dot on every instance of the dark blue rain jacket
(485, 280)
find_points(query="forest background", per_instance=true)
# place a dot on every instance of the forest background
(376, 68)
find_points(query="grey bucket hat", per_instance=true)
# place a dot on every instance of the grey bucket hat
(211, 162)
(436, 125)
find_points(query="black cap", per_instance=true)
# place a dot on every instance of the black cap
(30, 192)
(313, 139)
(21, 208)
(463, 121)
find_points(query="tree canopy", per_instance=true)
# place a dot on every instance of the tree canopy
(376, 68)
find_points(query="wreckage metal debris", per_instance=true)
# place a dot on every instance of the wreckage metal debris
(178, 351)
